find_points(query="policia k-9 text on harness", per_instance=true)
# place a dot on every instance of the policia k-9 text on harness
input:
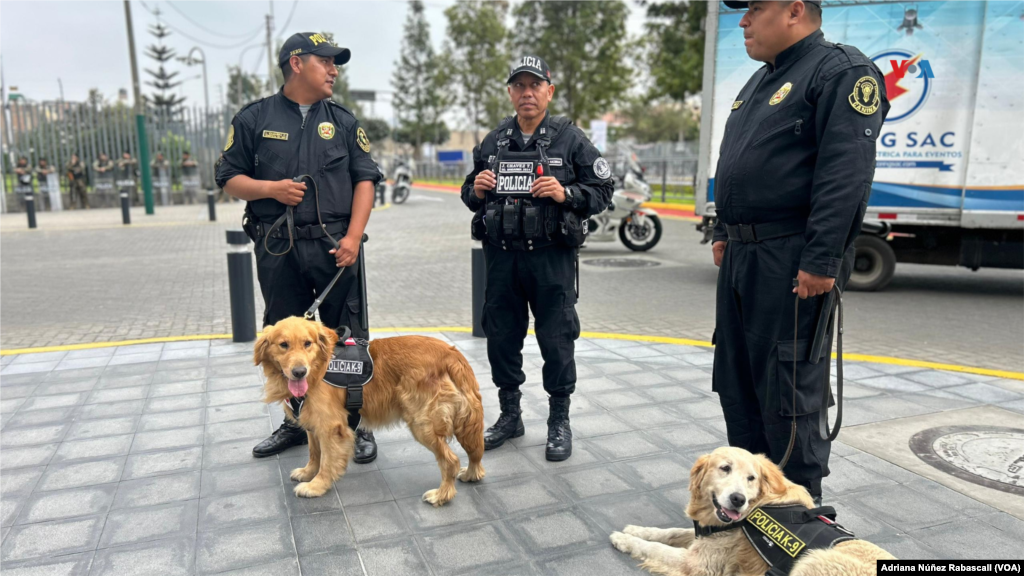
(781, 534)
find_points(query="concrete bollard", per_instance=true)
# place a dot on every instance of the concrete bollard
(241, 288)
(479, 274)
(30, 209)
(126, 215)
(211, 203)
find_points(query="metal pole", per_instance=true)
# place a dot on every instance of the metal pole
(126, 214)
(241, 288)
(211, 203)
(479, 274)
(30, 209)
(140, 118)
(664, 178)
(270, 54)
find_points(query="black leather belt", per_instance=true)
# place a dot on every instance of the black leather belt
(311, 232)
(747, 233)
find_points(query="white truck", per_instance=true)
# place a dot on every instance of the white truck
(949, 175)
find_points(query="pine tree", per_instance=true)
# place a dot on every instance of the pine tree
(419, 101)
(163, 80)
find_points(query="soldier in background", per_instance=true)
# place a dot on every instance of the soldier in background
(75, 171)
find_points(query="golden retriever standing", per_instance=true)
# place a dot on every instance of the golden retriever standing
(725, 486)
(422, 381)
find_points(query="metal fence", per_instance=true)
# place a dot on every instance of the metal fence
(56, 130)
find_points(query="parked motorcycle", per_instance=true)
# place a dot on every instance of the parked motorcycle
(638, 228)
(403, 182)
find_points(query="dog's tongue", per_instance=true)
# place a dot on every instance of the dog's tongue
(732, 514)
(298, 387)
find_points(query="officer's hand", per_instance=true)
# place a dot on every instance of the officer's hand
(287, 192)
(484, 181)
(347, 251)
(812, 285)
(718, 249)
(548, 187)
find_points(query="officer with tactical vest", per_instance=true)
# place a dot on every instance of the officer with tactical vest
(794, 175)
(535, 180)
(303, 165)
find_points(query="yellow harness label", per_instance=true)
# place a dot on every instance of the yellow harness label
(778, 533)
(275, 135)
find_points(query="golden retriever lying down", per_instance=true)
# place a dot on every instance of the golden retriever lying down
(422, 381)
(729, 476)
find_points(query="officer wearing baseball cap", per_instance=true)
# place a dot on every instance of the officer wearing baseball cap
(794, 174)
(535, 181)
(299, 153)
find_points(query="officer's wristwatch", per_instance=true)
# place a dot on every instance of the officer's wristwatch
(570, 197)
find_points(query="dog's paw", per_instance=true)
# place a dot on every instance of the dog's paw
(308, 490)
(465, 476)
(638, 531)
(435, 498)
(300, 475)
(622, 542)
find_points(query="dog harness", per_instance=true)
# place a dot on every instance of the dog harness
(781, 534)
(350, 368)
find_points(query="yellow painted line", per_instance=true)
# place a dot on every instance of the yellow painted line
(680, 218)
(602, 335)
(669, 205)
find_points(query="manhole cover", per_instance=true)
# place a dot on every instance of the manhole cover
(622, 263)
(985, 455)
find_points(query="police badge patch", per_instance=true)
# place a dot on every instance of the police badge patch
(864, 98)
(781, 94)
(602, 169)
(362, 140)
(326, 130)
(231, 138)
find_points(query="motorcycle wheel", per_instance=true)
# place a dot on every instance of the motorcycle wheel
(641, 238)
(400, 194)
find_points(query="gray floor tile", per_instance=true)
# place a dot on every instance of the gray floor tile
(603, 560)
(340, 563)
(49, 539)
(279, 568)
(505, 462)
(232, 453)
(392, 557)
(133, 525)
(550, 532)
(38, 455)
(626, 445)
(364, 488)
(373, 522)
(317, 533)
(595, 481)
(978, 392)
(20, 481)
(582, 455)
(158, 490)
(613, 513)
(61, 504)
(407, 453)
(177, 388)
(173, 557)
(167, 420)
(70, 565)
(467, 507)
(491, 544)
(620, 399)
(932, 505)
(157, 463)
(167, 439)
(410, 480)
(259, 474)
(245, 411)
(299, 506)
(236, 396)
(244, 508)
(51, 402)
(31, 436)
(218, 383)
(520, 495)
(847, 476)
(237, 430)
(78, 474)
(40, 417)
(118, 395)
(105, 427)
(111, 410)
(175, 403)
(251, 545)
(95, 448)
(969, 539)
(658, 471)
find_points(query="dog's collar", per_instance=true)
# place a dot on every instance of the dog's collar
(296, 404)
(705, 531)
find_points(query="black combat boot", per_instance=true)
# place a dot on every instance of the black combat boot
(509, 424)
(288, 435)
(559, 445)
(366, 447)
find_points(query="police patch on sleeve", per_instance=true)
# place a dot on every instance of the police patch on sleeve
(602, 169)
(864, 98)
(231, 138)
(362, 140)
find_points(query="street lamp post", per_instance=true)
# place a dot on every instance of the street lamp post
(190, 61)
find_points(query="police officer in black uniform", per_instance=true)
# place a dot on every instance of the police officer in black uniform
(794, 174)
(535, 180)
(300, 151)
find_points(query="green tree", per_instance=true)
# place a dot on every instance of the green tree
(340, 90)
(419, 101)
(376, 129)
(476, 60)
(243, 87)
(586, 46)
(657, 121)
(675, 47)
(163, 80)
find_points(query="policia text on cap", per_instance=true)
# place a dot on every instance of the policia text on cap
(794, 174)
(535, 180)
(276, 147)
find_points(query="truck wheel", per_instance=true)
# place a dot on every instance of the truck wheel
(873, 265)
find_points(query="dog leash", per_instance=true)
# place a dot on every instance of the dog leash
(836, 306)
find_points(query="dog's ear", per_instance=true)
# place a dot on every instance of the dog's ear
(772, 480)
(260, 349)
(327, 338)
(700, 468)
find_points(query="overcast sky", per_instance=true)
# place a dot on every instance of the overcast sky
(85, 44)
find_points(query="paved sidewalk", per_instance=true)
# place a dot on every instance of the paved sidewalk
(136, 460)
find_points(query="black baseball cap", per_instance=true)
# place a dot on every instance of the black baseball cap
(534, 65)
(735, 4)
(312, 43)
